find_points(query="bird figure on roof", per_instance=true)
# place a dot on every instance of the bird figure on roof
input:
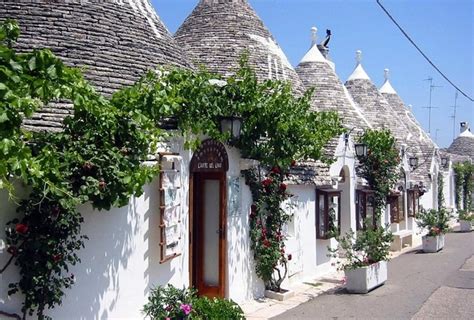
(326, 40)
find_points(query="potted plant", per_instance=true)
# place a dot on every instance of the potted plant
(436, 223)
(465, 220)
(365, 258)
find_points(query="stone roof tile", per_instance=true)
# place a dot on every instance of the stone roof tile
(115, 41)
(218, 32)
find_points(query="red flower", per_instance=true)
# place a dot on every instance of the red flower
(21, 228)
(267, 182)
(290, 257)
(282, 187)
(57, 257)
(293, 163)
(253, 208)
(12, 250)
(266, 243)
(276, 169)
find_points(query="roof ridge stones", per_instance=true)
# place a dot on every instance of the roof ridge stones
(115, 40)
(218, 32)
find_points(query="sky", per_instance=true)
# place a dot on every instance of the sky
(443, 29)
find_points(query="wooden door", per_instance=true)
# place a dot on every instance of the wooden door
(209, 233)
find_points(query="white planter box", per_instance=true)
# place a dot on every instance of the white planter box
(465, 226)
(433, 244)
(280, 296)
(364, 279)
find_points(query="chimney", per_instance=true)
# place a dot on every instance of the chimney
(464, 127)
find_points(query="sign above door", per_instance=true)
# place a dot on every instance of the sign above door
(210, 157)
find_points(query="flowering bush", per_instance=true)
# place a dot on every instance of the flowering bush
(466, 215)
(266, 220)
(434, 221)
(363, 248)
(172, 303)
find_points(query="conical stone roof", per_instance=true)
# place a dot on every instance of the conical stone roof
(218, 32)
(115, 40)
(329, 92)
(426, 146)
(373, 105)
(463, 144)
(379, 112)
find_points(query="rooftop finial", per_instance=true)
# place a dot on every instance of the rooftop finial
(314, 35)
(386, 73)
(358, 56)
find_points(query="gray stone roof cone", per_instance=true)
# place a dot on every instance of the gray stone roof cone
(377, 110)
(218, 32)
(426, 145)
(317, 72)
(116, 41)
(464, 143)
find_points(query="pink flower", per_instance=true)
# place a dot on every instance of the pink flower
(186, 308)
(344, 280)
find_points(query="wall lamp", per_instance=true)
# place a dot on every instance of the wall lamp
(360, 149)
(413, 162)
(444, 162)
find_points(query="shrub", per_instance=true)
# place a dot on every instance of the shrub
(466, 215)
(169, 303)
(173, 303)
(364, 248)
(435, 221)
(216, 309)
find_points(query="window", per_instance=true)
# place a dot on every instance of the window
(413, 198)
(365, 209)
(328, 214)
(397, 214)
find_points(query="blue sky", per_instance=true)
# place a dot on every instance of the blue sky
(444, 29)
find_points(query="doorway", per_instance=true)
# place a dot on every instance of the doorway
(208, 234)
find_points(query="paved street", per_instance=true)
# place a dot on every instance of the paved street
(419, 286)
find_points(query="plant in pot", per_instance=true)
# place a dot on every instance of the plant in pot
(365, 258)
(436, 224)
(466, 220)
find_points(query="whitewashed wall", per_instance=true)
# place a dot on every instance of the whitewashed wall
(121, 260)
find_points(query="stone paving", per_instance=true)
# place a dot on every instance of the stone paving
(265, 308)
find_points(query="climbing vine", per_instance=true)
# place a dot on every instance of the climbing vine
(380, 167)
(440, 191)
(464, 185)
(98, 157)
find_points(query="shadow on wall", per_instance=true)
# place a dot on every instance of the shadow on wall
(241, 274)
(155, 273)
(107, 252)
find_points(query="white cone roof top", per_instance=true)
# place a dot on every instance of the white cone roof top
(359, 72)
(313, 55)
(467, 133)
(387, 87)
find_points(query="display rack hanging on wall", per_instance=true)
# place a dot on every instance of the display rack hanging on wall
(170, 205)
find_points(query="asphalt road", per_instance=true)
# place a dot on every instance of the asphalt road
(420, 286)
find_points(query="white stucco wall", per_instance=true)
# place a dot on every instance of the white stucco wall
(121, 261)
